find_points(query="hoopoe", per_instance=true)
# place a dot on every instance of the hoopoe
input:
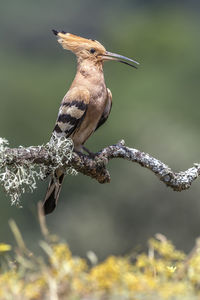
(87, 104)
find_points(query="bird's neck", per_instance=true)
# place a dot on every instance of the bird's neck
(89, 72)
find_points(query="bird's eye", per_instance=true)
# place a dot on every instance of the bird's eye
(92, 50)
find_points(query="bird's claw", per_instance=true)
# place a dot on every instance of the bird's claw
(90, 154)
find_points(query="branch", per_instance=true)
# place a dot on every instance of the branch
(96, 167)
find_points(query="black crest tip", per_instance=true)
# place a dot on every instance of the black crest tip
(55, 31)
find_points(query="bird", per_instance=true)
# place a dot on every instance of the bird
(87, 104)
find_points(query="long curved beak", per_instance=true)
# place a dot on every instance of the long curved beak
(120, 58)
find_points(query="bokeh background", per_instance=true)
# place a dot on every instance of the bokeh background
(155, 109)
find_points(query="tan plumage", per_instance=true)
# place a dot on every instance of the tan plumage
(87, 104)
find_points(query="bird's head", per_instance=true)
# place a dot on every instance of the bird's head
(87, 49)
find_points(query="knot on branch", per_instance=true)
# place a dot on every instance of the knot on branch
(92, 167)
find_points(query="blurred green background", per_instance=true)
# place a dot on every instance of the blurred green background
(155, 109)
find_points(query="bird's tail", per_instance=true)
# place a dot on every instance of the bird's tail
(53, 192)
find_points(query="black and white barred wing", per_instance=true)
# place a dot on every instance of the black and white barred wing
(72, 111)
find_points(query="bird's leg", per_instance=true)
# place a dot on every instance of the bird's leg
(91, 154)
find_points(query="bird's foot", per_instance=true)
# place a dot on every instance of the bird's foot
(90, 154)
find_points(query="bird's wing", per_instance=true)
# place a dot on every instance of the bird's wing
(107, 110)
(72, 111)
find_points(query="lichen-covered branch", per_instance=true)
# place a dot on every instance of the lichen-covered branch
(178, 181)
(17, 164)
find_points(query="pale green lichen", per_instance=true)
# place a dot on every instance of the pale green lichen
(59, 149)
(18, 178)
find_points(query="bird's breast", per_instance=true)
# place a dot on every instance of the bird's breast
(96, 106)
(98, 99)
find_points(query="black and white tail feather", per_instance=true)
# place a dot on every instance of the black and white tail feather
(53, 191)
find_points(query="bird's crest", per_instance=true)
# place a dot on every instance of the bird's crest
(76, 43)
